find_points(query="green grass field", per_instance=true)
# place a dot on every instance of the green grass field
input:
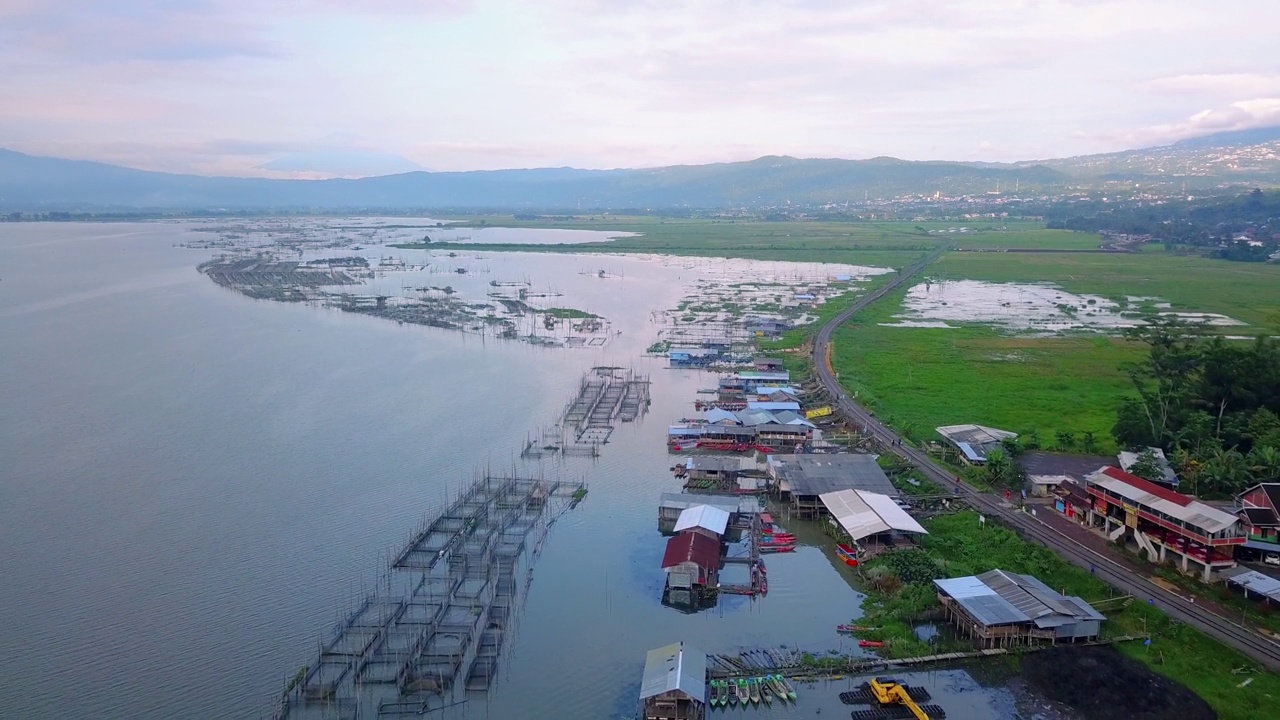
(919, 378)
(790, 240)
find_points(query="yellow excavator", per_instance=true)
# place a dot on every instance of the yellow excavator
(889, 692)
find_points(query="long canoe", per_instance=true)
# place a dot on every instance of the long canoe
(754, 688)
(766, 693)
(778, 688)
(791, 690)
(730, 690)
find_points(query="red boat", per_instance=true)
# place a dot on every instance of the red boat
(777, 548)
(847, 554)
(870, 644)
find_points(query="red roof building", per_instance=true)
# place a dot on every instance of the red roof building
(1162, 520)
(692, 547)
(1260, 515)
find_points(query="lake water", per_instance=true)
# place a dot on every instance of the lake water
(197, 485)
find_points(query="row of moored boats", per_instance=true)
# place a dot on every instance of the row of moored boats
(756, 690)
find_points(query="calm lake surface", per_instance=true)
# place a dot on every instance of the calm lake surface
(196, 486)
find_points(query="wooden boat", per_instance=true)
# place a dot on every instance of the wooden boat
(730, 692)
(744, 695)
(870, 644)
(753, 687)
(847, 554)
(777, 548)
(715, 693)
(766, 693)
(775, 681)
(791, 690)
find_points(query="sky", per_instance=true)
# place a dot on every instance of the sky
(312, 88)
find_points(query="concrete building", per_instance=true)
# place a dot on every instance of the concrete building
(999, 608)
(674, 684)
(1166, 525)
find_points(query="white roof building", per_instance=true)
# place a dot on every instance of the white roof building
(712, 519)
(863, 514)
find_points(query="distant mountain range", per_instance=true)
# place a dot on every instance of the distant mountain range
(29, 183)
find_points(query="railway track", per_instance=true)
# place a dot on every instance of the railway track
(1246, 640)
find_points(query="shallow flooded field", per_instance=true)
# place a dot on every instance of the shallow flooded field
(1037, 308)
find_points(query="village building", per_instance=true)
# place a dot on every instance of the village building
(768, 364)
(674, 684)
(1168, 477)
(1260, 518)
(801, 479)
(999, 608)
(670, 505)
(1166, 525)
(873, 521)
(704, 520)
(1046, 471)
(692, 564)
(1253, 584)
(974, 442)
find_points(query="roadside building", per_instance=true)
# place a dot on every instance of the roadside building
(874, 521)
(768, 364)
(999, 608)
(1166, 525)
(1253, 584)
(1260, 518)
(1168, 477)
(704, 520)
(974, 442)
(674, 684)
(1046, 471)
(801, 479)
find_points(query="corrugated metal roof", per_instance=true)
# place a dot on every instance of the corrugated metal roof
(863, 514)
(715, 415)
(1255, 582)
(681, 501)
(998, 597)
(675, 667)
(969, 452)
(1140, 492)
(974, 434)
(692, 547)
(980, 601)
(773, 406)
(703, 516)
(823, 473)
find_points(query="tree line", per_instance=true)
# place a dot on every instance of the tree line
(1211, 404)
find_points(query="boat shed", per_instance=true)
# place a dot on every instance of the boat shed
(999, 608)
(864, 514)
(674, 685)
(803, 478)
(704, 519)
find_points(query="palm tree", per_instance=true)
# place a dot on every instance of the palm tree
(1227, 472)
(1264, 463)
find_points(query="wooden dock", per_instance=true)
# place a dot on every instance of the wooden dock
(866, 665)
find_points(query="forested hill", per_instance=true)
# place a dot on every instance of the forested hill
(28, 182)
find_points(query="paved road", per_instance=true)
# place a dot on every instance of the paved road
(1246, 640)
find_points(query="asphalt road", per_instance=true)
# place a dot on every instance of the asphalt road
(1246, 640)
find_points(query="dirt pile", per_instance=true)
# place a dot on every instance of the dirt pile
(1104, 685)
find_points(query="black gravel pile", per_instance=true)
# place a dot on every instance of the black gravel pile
(1104, 685)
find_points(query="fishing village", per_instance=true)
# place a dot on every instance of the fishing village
(768, 472)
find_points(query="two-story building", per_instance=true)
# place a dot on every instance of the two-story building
(1260, 517)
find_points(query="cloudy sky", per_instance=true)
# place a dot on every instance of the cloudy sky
(305, 87)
